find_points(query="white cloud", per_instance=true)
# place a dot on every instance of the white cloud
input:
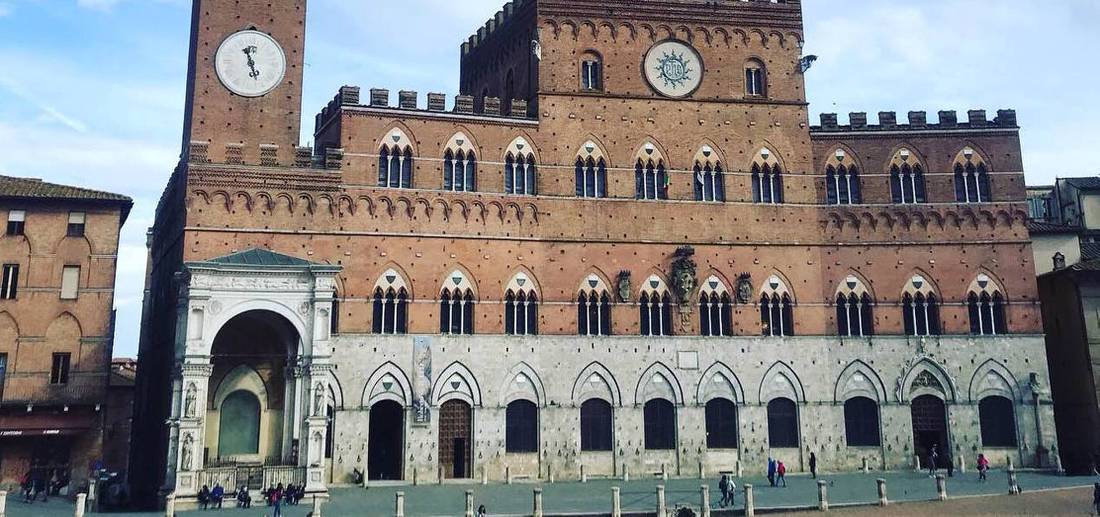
(6, 9)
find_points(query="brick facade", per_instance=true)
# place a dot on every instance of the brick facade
(336, 214)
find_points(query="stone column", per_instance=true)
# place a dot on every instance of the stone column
(316, 425)
(704, 501)
(469, 503)
(538, 503)
(661, 500)
(750, 504)
(941, 487)
(316, 507)
(882, 501)
(189, 422)
(584, 475)
(170, 505)
(822, 496)
(626, 472)
(399, 505)
(616, 507)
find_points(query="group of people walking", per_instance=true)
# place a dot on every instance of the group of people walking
(38, 482)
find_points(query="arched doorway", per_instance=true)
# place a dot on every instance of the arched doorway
(929, 427)
(251, 397)
(239, 432)
(455, 444)
(385, 446)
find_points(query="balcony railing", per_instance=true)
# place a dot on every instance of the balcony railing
(254, 477)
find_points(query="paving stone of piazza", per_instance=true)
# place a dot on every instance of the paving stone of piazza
(594, 497)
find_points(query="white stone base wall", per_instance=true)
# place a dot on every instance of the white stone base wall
(817, 372)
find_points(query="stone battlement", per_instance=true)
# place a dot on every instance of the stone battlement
(349, 96)
(499, 20)
(918, 121)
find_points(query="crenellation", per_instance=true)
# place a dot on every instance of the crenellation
(303, 157)
(437, 102)
(379, 97)
(407, 99)
(492, 106)
(918, 121)
(334, 158)
(464, 104)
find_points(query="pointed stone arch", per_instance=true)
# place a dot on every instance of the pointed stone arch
(8, 323)
(522, 383)
(243, 377)
(462, 140)
(858, 379)
(766, 155)
(780, 381)
(708, 285)
(707, 152)
(971, 153)
(719, 381)
(992, 378)
(601, 281)
(523, 280)
(65, 326)
(456, 381)
(593, 148)
(926, 377)
(986, 282)
(655, 282)
(596, 381)
(464, 281)
(843, 155)
(387, 382)
(921, 282)
(522, 146)
(399, 135)
(769, 286)
(393, 276)
(658, 382)
(862, 285)
(905, 153)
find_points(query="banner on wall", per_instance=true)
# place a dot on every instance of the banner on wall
(422, 380)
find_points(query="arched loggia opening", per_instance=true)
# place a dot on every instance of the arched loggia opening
(249, 396)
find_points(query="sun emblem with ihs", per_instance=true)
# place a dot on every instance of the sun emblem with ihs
(675, 69)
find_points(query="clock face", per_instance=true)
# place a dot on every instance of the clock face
(250, 63)
(673, 68)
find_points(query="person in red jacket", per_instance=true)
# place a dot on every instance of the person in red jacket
(782, 472)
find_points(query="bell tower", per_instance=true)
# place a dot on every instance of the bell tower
(244, 81)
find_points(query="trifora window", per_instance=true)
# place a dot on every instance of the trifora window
(395, 161)
(520, 170)
(521, 307)
(767, 178)
(391, 304)
(655, 308)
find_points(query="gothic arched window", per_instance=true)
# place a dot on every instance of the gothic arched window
(767, 178)
(721, 424)
(521, 427)
(709, 178)
(593, 308)
(971, 178)
(659, 417)
(906, 178)
(456, 305)
(997, 417)
(986, 306)
(715, 309)
(395, 161)
(776, 314)
(655, 308)
(756, 79)
(520, 171)
(861, 422)
(591, 72)
(921, 309)
(591, 172)
(459, 165)
(854, 309)
(597, 433)
(521, 307)
(842, 186)
(391, 304)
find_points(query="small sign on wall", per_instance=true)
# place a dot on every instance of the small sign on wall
(687, 360)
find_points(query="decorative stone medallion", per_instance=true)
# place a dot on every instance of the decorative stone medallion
(673, 68)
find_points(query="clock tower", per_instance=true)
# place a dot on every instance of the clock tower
(244, 80)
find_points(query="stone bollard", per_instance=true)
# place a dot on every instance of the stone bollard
(316, 507)
(1057, 467)
(550, 472)
(584, 475)
(739, 472)
(626, 472)
(1008, 461)
(702, 471)
(92, 496)
(882, 501)
(3, 502)
(170, 505)
(399, 505)
(916, 462)
(661, 501)
(941, 487)
(484, 475)
(538, 503)
(664, 472)
(750, 504)
(822, 496)
(416, 476)
(1013, 486)
(704, 501)
(962, 461)
(440, 474)
(469, 503)
(81, 501)
(866, 466)
(508, 475)
(616, 507)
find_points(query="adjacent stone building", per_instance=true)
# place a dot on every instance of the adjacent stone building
(58, 253)
(623, 248)
(1065, 228)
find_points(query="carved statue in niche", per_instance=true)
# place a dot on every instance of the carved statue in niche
(683, 274)
(623, 283)
(744, 288)
(189, 401)
(186, 454)
(318, 399)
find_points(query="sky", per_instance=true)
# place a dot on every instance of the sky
(92, 91)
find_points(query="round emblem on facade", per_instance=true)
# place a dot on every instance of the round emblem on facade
(250, 63)
(673, 68)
